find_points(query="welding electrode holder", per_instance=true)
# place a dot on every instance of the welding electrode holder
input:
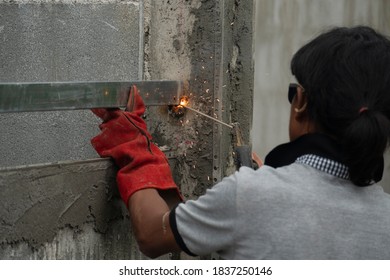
(243, 152)
(243, 156)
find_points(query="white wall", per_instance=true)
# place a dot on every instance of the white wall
(282, 27)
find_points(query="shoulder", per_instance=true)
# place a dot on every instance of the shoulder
(285, 186)
(271, 178)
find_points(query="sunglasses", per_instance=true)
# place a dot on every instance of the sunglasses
(292, 91)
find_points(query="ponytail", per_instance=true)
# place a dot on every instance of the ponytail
(364, 142)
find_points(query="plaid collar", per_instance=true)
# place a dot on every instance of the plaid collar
(326, 165)
(317, 150)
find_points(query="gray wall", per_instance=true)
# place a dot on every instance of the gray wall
(282, 27)
(62, 42)
(71, 210)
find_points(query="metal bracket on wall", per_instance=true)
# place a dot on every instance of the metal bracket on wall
(22, 97)
(218, 90)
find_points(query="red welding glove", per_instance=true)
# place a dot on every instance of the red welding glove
(125, 138)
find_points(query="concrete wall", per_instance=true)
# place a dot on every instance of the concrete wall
(64, 211)
(282, 27)
(71, 210)
(42, 41)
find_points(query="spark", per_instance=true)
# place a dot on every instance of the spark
(183, 101)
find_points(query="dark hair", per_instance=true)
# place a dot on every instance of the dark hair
(346, 75)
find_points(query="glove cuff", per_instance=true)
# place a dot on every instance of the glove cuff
(150, 169)
(131, 182)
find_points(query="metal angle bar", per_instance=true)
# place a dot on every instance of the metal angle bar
(25, 97)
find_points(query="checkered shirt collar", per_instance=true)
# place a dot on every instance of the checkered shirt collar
(317, 150)
(324, 164)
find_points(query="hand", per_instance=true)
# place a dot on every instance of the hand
(124, 137)
(119, 127)
(257, 161)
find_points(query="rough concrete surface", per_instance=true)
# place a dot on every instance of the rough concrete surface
(62, 42)
(202, 148)
(62, 206)
(205, 42)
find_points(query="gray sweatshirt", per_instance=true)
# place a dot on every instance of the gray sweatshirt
(292, 212)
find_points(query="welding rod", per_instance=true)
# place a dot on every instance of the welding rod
(243, 152)
(207, 116)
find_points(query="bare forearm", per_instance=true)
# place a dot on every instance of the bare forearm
(149, 215)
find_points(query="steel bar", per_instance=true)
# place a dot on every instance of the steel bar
(22, 97)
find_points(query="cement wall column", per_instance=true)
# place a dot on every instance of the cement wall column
(209, 44)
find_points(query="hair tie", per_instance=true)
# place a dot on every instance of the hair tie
(363, 109)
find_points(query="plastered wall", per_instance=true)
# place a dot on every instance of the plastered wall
(282, 27)
(71, 209)
(45, 41)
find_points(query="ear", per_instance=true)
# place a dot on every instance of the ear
(300, 104)
(300, 122)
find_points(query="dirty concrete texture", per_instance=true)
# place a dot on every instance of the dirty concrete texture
(42, 203)
(207, 50)
(202, 42)
(62, 42)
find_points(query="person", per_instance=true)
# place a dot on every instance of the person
(315, 197)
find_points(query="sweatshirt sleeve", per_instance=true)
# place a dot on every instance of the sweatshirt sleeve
(207, 224)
